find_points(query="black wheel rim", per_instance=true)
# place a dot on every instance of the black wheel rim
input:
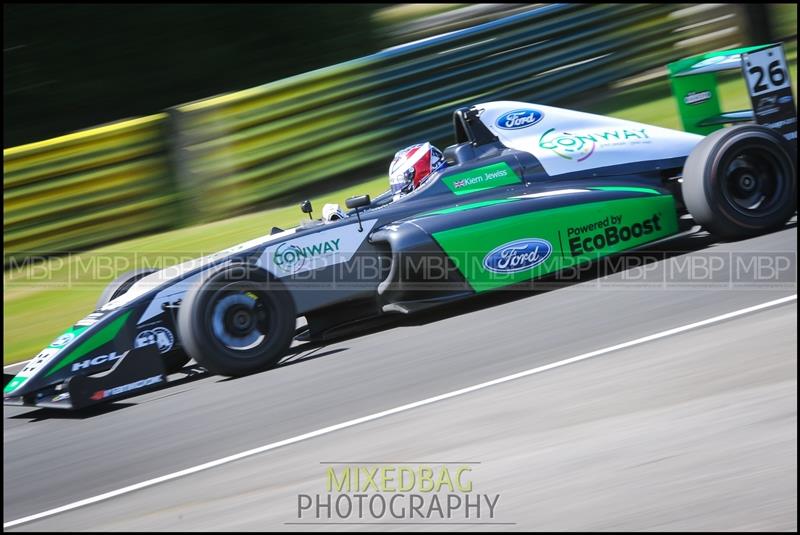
(240, 318)
(754, 180)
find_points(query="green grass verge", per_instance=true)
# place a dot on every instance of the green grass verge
(41, 302)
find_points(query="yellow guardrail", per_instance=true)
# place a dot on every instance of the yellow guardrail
(86, 188)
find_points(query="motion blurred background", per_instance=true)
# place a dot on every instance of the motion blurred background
(142, 129)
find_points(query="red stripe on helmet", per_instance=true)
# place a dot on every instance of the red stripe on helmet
(422, 168)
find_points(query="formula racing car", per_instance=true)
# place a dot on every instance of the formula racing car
(528, 190)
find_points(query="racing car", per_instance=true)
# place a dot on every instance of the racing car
(528, 190)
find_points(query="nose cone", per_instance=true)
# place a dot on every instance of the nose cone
(84, 348)
(26, 380)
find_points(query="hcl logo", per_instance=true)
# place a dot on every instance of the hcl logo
(102, 359)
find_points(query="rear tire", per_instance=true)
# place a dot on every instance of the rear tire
(740, 181)
(237, 320)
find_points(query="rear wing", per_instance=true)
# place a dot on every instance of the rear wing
(764, 68)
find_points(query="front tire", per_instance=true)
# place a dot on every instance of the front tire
(237, 320)
(122, 284)
(740, 181)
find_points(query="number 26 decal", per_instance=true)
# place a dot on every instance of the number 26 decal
(777, 76)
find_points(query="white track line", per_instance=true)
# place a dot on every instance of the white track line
(16, 364)
(389, 412)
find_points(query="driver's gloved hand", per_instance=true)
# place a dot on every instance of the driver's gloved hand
(332, 212)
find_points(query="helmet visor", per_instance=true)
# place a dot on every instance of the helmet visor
(398, 181)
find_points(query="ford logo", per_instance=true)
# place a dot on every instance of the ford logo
(517, 255)
(515, 119)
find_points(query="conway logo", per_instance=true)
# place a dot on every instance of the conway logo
(580, 147)
(291, 258)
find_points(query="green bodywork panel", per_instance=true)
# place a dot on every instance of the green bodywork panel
(708, 61)
(103, 336)
(577, 234)
(14, 383)
(626, 188)
(482, 178)
(697, 99)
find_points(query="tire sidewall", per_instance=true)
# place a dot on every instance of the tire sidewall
(702, 188)
(196, 311)
(122, 284)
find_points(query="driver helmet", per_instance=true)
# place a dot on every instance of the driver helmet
(412, 166)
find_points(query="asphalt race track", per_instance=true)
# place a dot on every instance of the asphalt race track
(695, 430)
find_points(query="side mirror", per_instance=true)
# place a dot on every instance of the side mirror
(305, 207)
(358, 201)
